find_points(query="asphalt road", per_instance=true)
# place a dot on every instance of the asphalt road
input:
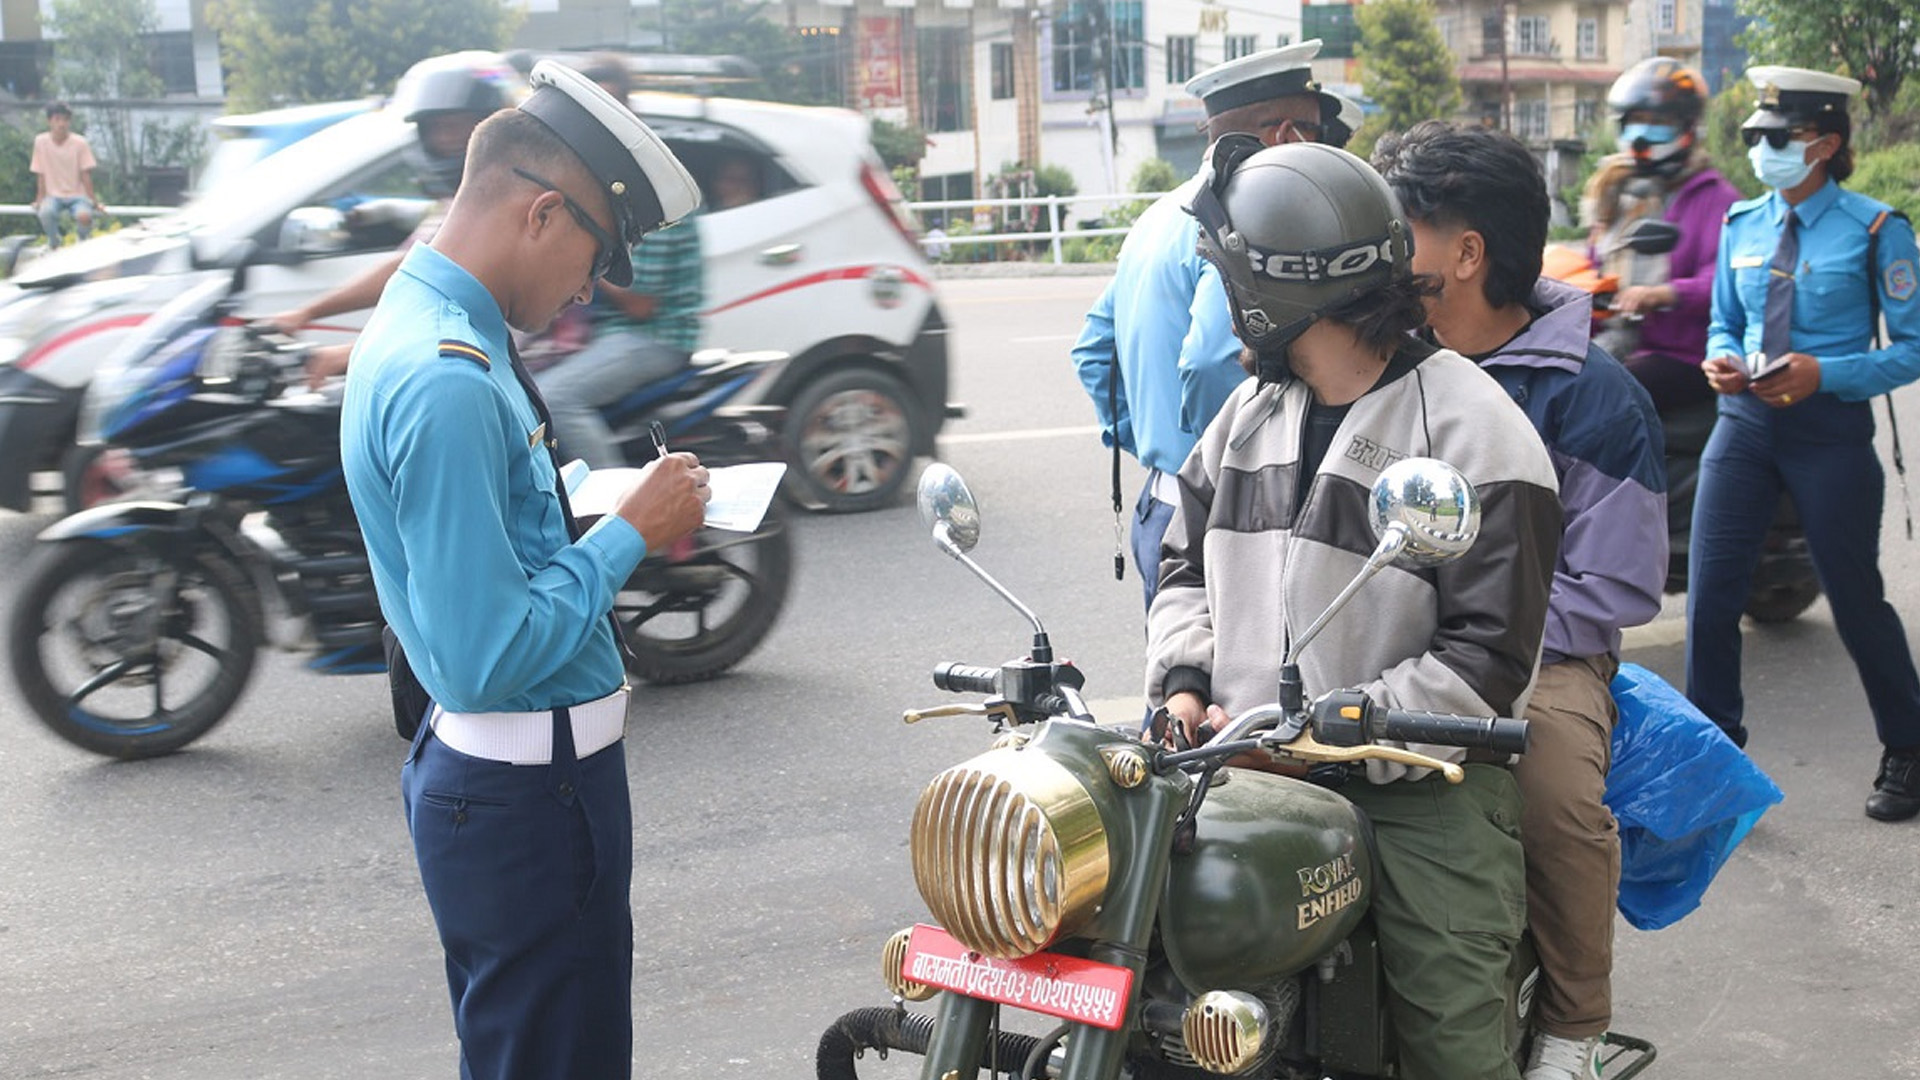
(250, 908)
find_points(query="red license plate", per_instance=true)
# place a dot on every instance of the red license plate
(1084, 991)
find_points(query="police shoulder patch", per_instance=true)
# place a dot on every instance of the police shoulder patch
(453, 347)
(1900, 280)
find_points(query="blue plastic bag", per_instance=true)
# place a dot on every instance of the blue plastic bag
(1684, 795)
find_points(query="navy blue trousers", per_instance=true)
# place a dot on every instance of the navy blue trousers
(1824, 458)
(528, 870)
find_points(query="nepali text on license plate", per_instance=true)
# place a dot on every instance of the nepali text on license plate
(1085, 991)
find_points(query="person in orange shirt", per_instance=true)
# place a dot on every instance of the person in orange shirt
(62, 168)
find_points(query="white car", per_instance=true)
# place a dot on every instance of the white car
(822, 265)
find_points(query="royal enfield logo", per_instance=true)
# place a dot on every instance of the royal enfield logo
(1327, 889)
(1371, 454)
(1321, 265)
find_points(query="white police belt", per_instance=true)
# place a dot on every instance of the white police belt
(1165, 487)
(526, 738)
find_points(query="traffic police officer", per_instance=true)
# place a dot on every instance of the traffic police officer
(1803, 273)
(516, 787)
(1162, 328)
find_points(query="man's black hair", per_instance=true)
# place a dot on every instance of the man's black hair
(59, 108)
(1479, 178)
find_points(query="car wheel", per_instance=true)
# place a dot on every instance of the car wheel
(851, 434)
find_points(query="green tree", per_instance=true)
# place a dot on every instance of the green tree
(1876, 41)
(103, 56)
(743, 28)
(1408, 70)
(281, 52)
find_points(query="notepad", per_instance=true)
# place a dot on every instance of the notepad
(741, 493)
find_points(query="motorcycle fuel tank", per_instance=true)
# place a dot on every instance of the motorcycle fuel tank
(1280, 872)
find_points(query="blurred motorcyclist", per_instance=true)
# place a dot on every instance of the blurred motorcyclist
(1660, 172)
(445, 98)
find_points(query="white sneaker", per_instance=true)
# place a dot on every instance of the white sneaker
(1555, 1058)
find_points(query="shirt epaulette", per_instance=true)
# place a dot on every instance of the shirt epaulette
(453, 347)
(1742, 207)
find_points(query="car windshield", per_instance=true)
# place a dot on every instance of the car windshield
(248, 200)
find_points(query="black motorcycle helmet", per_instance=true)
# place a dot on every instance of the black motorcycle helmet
(1669, 90)
(445, 98)
(1295, 230)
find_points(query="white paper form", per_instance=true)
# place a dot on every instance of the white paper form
(741, 493)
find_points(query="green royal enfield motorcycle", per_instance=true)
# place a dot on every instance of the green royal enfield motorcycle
(1178, 918)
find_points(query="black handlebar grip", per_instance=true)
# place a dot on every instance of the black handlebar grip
(1499, 734)
(966, 679)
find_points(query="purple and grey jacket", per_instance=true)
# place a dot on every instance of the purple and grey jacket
(1697, 208)
(1604, 438)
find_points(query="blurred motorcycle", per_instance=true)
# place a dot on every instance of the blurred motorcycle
(139, 621)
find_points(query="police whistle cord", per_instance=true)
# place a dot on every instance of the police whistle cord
(1900, 465)
(1113, 410)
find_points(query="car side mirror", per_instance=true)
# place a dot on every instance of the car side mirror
(314, 230)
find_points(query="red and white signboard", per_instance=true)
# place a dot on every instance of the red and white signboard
(1084, 991)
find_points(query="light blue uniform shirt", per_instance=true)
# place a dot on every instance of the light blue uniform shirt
(1832, 308)
(499, 610)
(1165, 315)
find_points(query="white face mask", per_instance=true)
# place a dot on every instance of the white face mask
(1784, 168)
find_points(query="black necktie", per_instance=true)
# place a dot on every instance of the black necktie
(1776, 333)
(525, 378)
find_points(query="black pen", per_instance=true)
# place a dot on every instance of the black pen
(659, 437)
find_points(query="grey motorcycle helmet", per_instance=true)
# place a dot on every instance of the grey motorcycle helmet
(1295, 230)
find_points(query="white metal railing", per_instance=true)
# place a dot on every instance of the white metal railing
(1053, 205)
(24, 210)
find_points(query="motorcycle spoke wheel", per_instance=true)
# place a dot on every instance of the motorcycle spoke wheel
(692, 614)
(130, 654)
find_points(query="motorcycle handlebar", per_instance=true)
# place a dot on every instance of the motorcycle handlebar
(966, 679)
(1499, 734)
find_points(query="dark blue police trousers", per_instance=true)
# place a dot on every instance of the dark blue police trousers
(528, 870)
(1825, 459)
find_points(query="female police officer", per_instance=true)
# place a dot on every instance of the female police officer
(1803, 273)
(516, 789)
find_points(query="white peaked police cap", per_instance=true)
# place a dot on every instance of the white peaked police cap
(1262, 76)
(647, 186)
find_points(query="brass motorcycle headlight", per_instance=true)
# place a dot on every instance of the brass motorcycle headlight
(892, 959)
(1009, 852)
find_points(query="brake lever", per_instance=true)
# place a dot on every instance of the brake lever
(1310, 751)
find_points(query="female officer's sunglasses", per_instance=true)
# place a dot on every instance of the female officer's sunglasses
(1778, 138)
(604, 248)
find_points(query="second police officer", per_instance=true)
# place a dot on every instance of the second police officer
(1805, 273)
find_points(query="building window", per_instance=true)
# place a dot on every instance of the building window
(945, 104)
(1586, 115)
(1285, 40)
(1530, 35)
(1239, 45)
(1081, 33)
(951, 187)
(1588, 39)
(1530, 119)
(1001, 60)
(1666, 16)
(1179, 58)
(1334, 25)
(173, 61)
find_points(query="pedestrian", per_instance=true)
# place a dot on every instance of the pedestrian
(515, 788)
(1661, 173)
(1267, 531)
(1479, 209)
(1806, 272)
(1157, 352)
(62, 167)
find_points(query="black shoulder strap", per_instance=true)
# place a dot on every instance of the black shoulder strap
(1873, 309)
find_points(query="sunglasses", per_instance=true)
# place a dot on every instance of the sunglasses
(1308, 130)
(605, 246)
(1778, 138)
